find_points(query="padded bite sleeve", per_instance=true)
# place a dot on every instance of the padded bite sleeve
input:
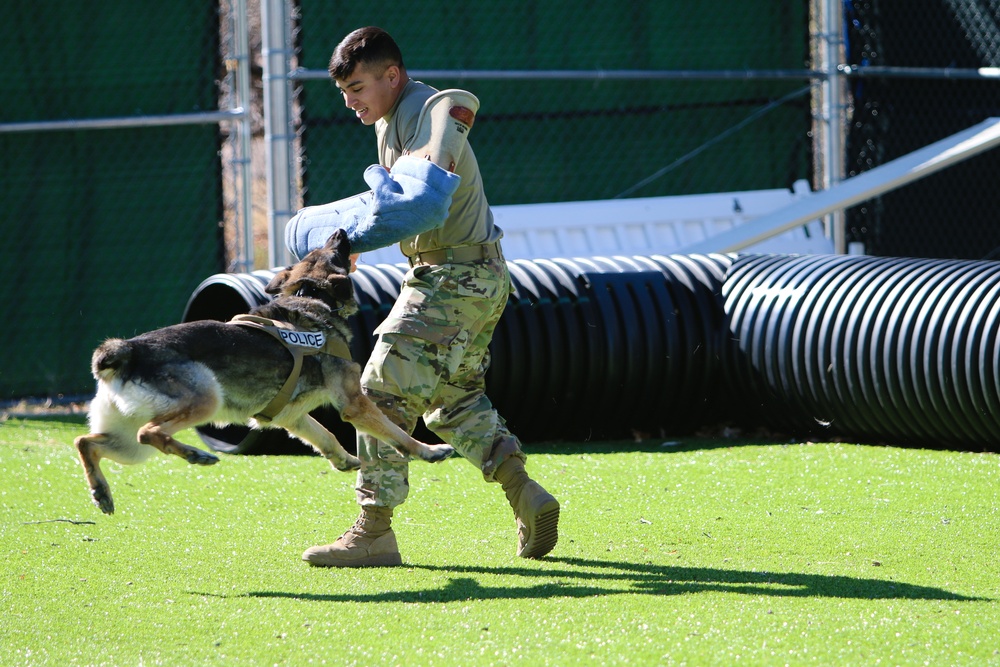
(411, 200)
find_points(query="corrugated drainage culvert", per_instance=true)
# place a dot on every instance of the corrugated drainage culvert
(878, 349)
(587, 348)
(899, 350)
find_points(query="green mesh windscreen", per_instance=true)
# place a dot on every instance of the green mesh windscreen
(106, 231)
(953, 213)
(559, 140)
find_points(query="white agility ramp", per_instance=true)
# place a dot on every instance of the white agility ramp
(901, 171)
(648, 225)
(640, 226)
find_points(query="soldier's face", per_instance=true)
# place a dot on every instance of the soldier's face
(370, 92)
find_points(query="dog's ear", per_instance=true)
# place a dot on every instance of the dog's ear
(279, 279)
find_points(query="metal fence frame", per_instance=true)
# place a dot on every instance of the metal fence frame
(238, 65)
(280, 73)
(830, 103)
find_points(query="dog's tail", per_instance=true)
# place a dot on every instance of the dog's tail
(113, 358)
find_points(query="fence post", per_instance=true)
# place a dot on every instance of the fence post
(279, 135)
(242, 163)
(832, 133)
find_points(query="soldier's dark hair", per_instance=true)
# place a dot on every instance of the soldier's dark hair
(369, 46)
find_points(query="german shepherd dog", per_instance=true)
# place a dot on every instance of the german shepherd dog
(159, 383)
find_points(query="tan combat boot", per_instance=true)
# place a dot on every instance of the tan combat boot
(536, 510)
(370, 542)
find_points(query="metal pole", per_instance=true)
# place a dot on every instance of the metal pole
(884, 178)
(278, 135)
(243, 163)
(120, 122)
(963, 73)
(302, 74)
(833, 123)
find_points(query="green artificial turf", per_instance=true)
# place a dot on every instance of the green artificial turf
(693, 551)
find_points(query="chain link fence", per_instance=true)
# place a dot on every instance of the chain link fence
(921, 70)
(582, 101)
(135, 156)
(111, 179)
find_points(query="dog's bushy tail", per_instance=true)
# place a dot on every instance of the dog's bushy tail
(112, 358)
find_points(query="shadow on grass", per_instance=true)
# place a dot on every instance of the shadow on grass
(592, 578)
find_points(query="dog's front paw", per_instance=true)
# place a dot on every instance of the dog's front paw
(437, 453)
(346, 464)
(102, 498)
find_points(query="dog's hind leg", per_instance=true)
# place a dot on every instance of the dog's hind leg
(365, 416)
(159, 431)
(89, 449)
(152, 434)
(324, 442)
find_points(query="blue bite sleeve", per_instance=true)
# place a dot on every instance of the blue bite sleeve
(411, 200)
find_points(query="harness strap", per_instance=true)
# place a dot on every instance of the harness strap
(284, 395)
(333, 347)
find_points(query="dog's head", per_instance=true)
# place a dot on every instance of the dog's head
(324, 273)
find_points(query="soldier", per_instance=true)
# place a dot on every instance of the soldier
(432, 353)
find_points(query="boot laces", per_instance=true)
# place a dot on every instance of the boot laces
(357, 529)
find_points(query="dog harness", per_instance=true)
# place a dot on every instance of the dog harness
(299, 343)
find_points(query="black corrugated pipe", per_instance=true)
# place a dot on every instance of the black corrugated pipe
(601, 347)
(587, 348)
(877, 348)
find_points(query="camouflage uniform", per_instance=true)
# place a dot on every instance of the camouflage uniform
(432, 351)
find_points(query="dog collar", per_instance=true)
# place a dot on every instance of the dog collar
(299, 343)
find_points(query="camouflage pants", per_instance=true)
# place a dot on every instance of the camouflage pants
(430, 360)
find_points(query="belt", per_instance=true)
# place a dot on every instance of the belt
(459, 255)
